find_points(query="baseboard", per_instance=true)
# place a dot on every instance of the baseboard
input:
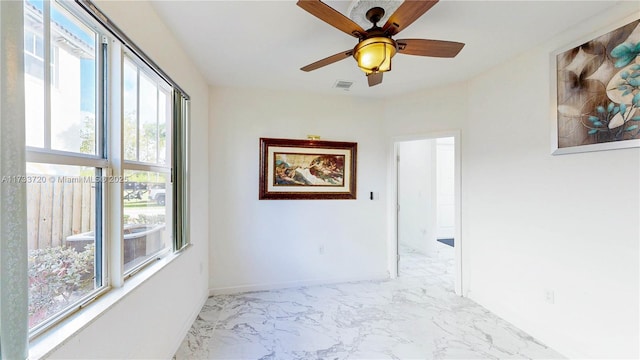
(292, 284)
(187, 325)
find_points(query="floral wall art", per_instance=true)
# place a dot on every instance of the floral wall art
(598, 92)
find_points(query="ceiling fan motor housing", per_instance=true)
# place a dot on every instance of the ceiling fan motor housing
(375, 14)
(375, 46)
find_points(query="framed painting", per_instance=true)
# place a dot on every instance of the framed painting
(596, 92)
(307, 169)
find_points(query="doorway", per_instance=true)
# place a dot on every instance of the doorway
(425, 240)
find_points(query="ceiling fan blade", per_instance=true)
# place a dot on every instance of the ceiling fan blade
(406, 14)
(434, 48)
(332, 17)
(327, 61)
(374, 78)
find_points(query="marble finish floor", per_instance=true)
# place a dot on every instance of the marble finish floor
(417, 316)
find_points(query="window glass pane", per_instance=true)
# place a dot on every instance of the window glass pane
(147, 216)
(148, 120)
(73, 86)
(38, 46)
(34, 73)
(147, 115)
(130, 110)
(61, 222)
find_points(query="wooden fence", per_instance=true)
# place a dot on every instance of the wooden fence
(58, 209)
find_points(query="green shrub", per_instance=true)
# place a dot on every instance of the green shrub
(58, 276)
(146, 219)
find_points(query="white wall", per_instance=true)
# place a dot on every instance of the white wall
(151, 321)
(532, 222)
(445, 188)
(417, 195)
(257, 244)
(536, 222)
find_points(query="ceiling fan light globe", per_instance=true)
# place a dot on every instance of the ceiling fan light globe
(374, 54)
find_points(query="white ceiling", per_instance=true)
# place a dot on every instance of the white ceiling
(263, 44)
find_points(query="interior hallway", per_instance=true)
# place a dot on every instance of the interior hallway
(417, 315)
(440, 264)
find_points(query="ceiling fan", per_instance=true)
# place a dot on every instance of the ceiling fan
(376, 46)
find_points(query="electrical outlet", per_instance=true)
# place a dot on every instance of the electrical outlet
(321, 249)
(549, 296)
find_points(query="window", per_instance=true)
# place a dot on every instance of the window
(65, 199)
(146, 124)
(34, 53)
(61, 115)
(80, 148)
(147, 109)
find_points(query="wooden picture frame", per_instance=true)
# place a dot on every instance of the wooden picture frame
(595, 89)
(307, 169)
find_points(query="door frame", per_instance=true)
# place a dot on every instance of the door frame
(392, 214)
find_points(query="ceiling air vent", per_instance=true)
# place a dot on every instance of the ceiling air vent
(344, 85)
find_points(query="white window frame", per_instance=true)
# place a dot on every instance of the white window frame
(47, 155)
(109, 158)
(167, 168)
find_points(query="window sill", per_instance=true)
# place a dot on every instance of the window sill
(45, 344)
